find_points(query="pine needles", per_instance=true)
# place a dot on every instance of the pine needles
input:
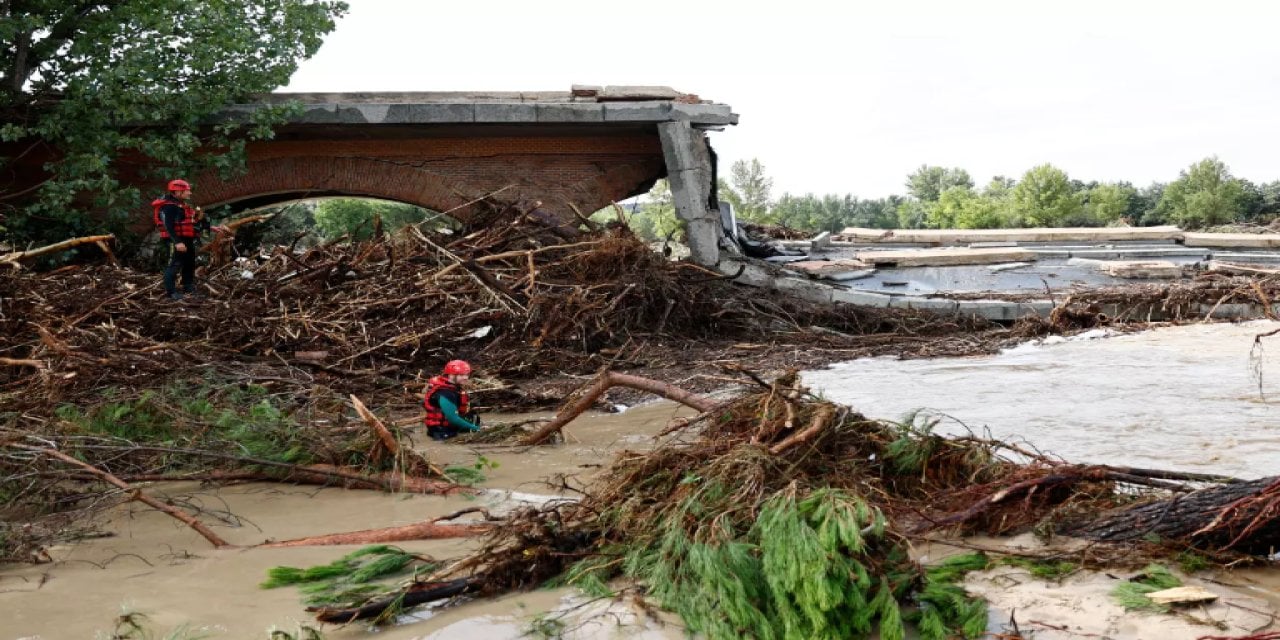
(350, 580)
(1132, 593)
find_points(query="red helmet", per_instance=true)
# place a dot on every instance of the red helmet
(179, 185)
(457, 368)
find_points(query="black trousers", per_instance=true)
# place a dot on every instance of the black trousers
(184, 262)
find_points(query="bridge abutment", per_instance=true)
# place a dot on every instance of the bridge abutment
(690, 173)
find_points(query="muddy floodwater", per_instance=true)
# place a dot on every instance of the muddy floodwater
(1182, 397)
(162, 569)
(1179, 398)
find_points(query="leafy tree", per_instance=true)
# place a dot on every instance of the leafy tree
(875, 214)
(999, 187)
(927, 183)
(752, 186)
(356, 216)
(795, 211)
(912, 214)
(90, 87)
(1203, 195)
(1044, 198)
(656, 219)
(1108, 203)
(962, 208)
(1144, 206)
(1270, 208)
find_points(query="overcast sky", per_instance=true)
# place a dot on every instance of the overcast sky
(850, 99)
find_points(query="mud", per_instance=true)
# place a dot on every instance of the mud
(157, 567)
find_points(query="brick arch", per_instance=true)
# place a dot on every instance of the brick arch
(317, 176)
(587, 182)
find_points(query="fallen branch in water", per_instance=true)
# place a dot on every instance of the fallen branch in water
(134, 493)
(603, 382)
(317, 474)
(414, 463)
(429, 530)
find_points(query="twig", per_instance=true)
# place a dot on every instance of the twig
(134, 493)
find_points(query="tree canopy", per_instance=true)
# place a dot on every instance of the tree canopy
(93, 85)
(1205, 194)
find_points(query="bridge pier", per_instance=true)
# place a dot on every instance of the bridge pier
(689, 172)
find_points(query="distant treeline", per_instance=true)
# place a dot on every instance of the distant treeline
(1203, 195)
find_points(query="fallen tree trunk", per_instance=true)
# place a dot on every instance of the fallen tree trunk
(429, 530)
(134, 494)
(413, 462)
(1242, 516)
(13, 258)
(603, 382)
(321, 474)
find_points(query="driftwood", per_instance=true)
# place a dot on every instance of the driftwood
(134, 494)
(22, 362)
(603, 382)
(415, 462)
(317, 474)
(1241, 516)
(16, 256)
(429, 530)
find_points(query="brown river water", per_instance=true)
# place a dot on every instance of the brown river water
(1179, 398)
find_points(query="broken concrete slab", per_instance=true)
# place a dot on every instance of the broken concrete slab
(1142, 269)
(820, 242)
(840, 270)
(1240, 256)
(1232, 240)
(861, 298)
(997, 268)
(1139, 252)
(705, 114)
(637, 111)
(626, 92)
(967, 236)
(944, 257)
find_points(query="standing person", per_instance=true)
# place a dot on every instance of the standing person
(181, 224)
(447, 403)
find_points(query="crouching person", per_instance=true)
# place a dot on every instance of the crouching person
(447, 405)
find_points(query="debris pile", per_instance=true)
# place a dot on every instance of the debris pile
(779, 514)
(364, 316)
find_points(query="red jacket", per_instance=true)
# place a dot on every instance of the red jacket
(184, 228)
(435, 417)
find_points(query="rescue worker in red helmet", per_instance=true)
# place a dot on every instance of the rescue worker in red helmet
(448, 407)
(181, 224)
